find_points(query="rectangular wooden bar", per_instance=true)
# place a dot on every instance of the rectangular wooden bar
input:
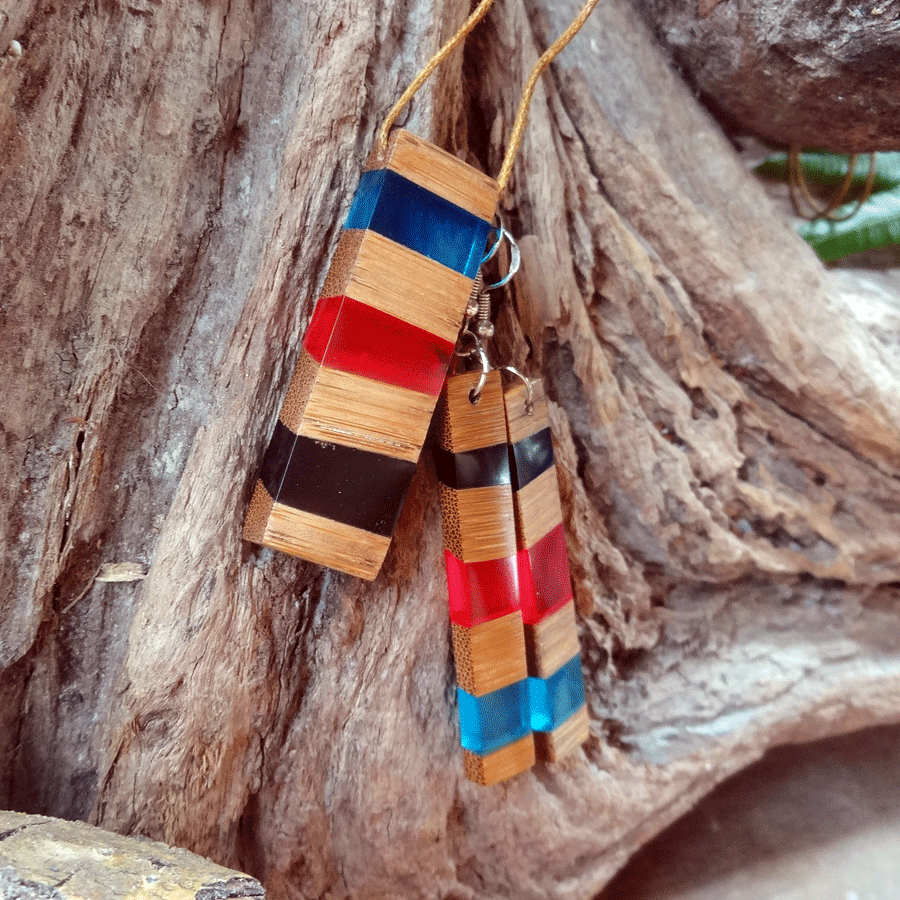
(499, 765)
(556, 690)
(482, 577)
(358, 407)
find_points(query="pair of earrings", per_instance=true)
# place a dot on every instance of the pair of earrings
(372, 367)
(515, 644)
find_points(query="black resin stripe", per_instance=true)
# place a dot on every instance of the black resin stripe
(530, 457)
(344, 484)
(486, 467)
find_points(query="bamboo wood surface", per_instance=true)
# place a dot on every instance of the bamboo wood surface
(537, 508)
(465, 426)
(325, 541)
(258, 512)
(354, 411)
(552, 746)
(552, 642)
(501, 764)
(299, 391)
(490, 655)
(520, 423)
(479, 523)
(381, 273)
(439, 172)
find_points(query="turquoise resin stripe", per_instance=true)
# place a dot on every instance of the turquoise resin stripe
(404, 212)
(494, 720)
(552, 700)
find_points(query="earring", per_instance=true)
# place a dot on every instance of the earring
(515, 644)
(557, 706)
(482, 576)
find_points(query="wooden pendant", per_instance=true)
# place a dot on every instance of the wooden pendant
(482, 574)
(374, 358)
(558, 711)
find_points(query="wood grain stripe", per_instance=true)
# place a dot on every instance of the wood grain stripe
(551, 642)
(394, 279)
(258, 513)
(439, 172)
(299, 391)
(519, 423)
(325, 541)
(479, 523)
(466, 426)
(368, 415)
(491, 655)
(537, 509)
(501, 764)
(551, 746)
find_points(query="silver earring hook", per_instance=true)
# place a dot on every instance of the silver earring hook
(529, 388)
(476, 344)
(475, 393)
(500, 230)
(515, 259)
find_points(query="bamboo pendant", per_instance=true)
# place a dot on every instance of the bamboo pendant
(558, 713)
(482, 575)
(374, 358)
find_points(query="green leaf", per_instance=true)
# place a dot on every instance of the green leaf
(877, 224)
(822, 167)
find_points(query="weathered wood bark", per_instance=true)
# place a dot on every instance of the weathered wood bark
(790, 70)
(726, 415)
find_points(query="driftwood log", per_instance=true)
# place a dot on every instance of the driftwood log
(726, 414)
(792, 71)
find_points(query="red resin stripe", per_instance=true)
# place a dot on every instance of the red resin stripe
(350, 336)
(544, 581)
(481, 591)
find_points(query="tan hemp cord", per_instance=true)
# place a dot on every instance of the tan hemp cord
(522, 113)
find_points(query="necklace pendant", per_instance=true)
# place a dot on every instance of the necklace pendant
(375, 355)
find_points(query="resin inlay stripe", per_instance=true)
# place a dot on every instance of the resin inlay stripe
(531, 457)
(352, 337)
(481, 591)
(494, 720)
(355, 487)
(404, 212)
(544, 580)
(552, 700)
(487, 467)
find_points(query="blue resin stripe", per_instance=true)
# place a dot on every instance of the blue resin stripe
(552, 700)
(494, 720)
(404, 212)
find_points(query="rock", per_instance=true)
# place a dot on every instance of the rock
(790, 71)
(42, 858)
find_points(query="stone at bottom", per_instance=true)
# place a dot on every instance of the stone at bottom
(52, 859)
